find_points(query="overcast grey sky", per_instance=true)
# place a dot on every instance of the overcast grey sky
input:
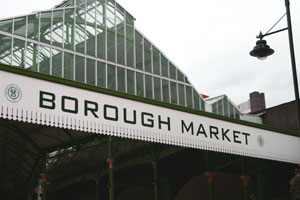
(210, 41)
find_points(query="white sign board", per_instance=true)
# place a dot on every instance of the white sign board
(42, 102)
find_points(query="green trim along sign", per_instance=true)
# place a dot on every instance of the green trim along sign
(43, 102)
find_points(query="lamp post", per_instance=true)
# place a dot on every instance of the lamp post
(262, 51)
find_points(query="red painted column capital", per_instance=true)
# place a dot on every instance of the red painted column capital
(44, 177)
(110, 163)
(154, 164)
(209, 176)
(245, 180)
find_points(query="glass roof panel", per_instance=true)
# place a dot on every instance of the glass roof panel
(6, 25)
(20, 26)
(96, 42)
(33, 26)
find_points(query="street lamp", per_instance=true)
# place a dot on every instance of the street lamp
(262, 51)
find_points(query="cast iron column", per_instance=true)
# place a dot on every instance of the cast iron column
(44, 181)
(110, 162)
(209, 173)
(97, 188)
(245, 180)
(262, 181)
(210, 176)
(155, 183)
(38, 190)
(166, 188)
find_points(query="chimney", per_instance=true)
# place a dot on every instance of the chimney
(257, 102)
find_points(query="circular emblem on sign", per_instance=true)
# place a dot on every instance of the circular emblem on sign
(13, 93)
(260, 141)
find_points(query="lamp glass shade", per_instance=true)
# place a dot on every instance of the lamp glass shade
(262, 58)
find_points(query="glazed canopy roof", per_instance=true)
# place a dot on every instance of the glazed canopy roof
(95, 42)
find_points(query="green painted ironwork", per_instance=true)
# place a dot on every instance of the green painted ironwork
(44, 190)
(3, 153)
(97, 189)
(128, 153)
(261, 187)
(245, 177)
(18, 158)
(24, 150)
(110, 169)
(211, 191)
(44, 178)
(261, 178)
(166, 188)
(34, 167)
(80, 140)
(21, 133)
(155, 180)
(209, 159)
(13, 170)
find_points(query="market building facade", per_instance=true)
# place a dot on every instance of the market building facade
(91, 109)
